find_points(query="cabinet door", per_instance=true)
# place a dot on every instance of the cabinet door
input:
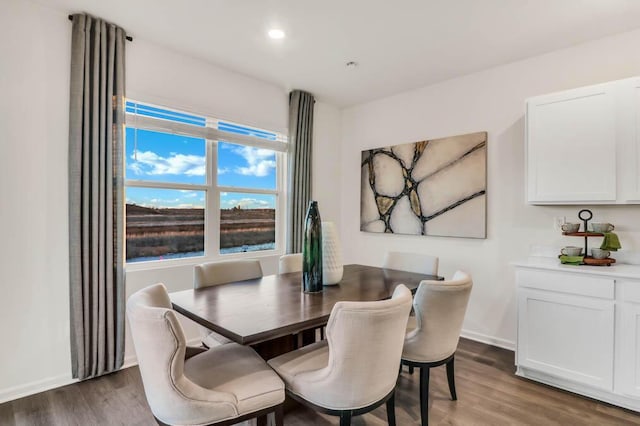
(630, 349)
(628, 340)
(629, 155)
(567, 336)
(571, 146)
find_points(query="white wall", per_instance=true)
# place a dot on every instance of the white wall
(492, 100)
(34, 82)
(325, 182)
(34, 290)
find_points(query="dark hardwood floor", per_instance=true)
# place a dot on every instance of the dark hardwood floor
(488, 394)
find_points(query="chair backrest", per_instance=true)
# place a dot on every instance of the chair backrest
(365, 346)
(440, 307)
(290, 263)
(160, 347)
(412, 262)
(215, 273)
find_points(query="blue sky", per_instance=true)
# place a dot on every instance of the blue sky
(163, 157)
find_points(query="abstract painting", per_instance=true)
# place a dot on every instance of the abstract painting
(433, 187)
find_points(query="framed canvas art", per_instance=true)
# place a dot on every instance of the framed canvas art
(433, 187)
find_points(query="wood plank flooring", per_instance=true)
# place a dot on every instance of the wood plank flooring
(488, 394)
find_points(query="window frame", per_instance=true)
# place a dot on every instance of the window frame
(212, 136)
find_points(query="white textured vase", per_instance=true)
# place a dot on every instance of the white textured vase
(332, 267)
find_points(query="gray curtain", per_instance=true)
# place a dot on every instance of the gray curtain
(299, 179)
(96, 198)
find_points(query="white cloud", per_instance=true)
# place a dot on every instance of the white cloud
(223, 170)
(150, 163)
(260, 161)
(188, 193)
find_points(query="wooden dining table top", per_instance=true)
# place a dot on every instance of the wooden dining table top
(254, 311)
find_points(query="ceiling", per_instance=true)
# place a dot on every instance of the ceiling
(398, 45)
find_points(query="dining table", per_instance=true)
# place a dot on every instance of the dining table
(269, 313)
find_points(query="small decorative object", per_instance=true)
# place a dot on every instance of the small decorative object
(312, 250)
(432, 187)
(598, 253)
(572, 255)
(602, 227)
(332, 267)
(570, 227)
(571, 251)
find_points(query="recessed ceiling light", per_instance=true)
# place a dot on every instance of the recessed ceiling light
(276, 33)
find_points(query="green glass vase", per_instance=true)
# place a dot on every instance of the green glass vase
(312, 250)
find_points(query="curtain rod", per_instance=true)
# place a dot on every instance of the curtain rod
(127, 37)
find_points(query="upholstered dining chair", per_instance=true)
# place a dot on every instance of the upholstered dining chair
(355, 369)
(216, 273)
(411, 262)
(434, 331)
(194, 386)
(290, 263)
(293, 263)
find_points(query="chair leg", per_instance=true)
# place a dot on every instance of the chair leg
(279, 415)
(262, 420)
(424, 395)
(345, 418)
(391, 410)
(411, 369)
(452, 380)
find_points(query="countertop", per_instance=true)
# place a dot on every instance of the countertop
(618, 270)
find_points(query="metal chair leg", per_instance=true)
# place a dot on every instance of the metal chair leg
(345, 418)
(424, 395)
(452, 380)
(279, 414)
(262, 420)
(391, 410)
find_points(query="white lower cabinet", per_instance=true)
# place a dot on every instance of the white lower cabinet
(628, 377)
(580, 332)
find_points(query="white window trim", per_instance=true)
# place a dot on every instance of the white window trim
(212, 191)
(209, 133)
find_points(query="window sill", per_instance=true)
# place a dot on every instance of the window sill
(192, 261)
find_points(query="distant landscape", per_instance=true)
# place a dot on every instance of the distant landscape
(157, 232)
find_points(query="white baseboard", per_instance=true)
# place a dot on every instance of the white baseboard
(31, 388)
(489, 340)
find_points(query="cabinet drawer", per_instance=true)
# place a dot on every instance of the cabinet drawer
(630, 291)
(583, 285)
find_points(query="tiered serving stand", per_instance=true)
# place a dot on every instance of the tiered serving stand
(588, 260)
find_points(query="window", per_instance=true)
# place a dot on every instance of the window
(197, 186)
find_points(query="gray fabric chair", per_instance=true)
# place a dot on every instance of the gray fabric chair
(433, 333)
(216, 273)
(356, 368)
(194, 386)
(411, 262)
(290, 263)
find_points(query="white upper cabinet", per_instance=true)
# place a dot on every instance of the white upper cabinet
(629, 156)
(582, 145)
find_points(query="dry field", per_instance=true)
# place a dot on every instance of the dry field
(159, 232)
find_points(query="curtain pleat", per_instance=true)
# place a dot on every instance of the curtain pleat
(300, 161)
(96, 199)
